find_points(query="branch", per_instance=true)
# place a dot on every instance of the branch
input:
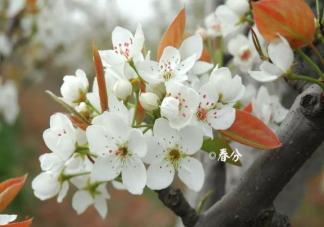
(214, 182)
(175, 201)
(301, 133)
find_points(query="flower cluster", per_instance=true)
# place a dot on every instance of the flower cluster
(143, 120)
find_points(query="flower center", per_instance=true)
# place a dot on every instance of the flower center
(167, 75)
(174, 156)
(202, 114)
(246, 55)
(122, 151)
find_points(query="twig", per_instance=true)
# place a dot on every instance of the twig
(175, 201)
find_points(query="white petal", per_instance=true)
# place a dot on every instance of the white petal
(279, 112)
(160, 175)
(154, 150)
(137, 144)
(191, 173)
(262, 76)
(234, 91)
(201, 67)
(221, 119)
(270, 68)
(149, 71)
(137, 46)
(45, 186)
(7, 218)
(50, 161)
(228, 19)
(115, 124)
(118, 185)
(60, 137)
(281, 54)
(100, 140)
(81, 201)
(193, 45)
(239, 6)
(190, 139)
(170, 57)
(101, 206)
(106, 169)
(63, 192)
(219, 75)
(185, 65)
(235, 44)
(121, 35)
(118, 107)
(208, 95)
(110, 58)
(102, 189)
(134, 175)
(166, 135)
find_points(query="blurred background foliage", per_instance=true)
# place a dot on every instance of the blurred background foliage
(49, 39)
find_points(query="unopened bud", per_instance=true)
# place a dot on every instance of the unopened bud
(149, 101)
(170, 107)
(122, 89)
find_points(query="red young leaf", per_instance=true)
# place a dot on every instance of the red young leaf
(79, 123)
(9, 190)
(174, 34)
(249, 130)
(293, 19)
(205, 56)
(100, 79)
(25, 223)
(248, 108)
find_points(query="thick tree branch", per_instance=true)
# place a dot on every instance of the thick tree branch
(214, 183)
(301, 133)
(175, 201)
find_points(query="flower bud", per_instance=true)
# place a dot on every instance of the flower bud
(170, 107)
(149, 101)
(74, 88)
(122, 89)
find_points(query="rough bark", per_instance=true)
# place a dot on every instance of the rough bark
(301, 133)
(175, 201)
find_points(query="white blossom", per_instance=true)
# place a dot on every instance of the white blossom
(179, 105)
(170, 150)
(126, 47)
(170, 68)
(217, 98)
(243, 53)
(61, 137)
(268, 108)
(75, 87)
(90, 193)
(282, 58)
(120, 149)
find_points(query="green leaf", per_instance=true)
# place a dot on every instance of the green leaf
(215, 145)
(202, 201)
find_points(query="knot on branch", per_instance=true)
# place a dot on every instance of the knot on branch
(271, 218)
(312, 105)
(175, 201)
